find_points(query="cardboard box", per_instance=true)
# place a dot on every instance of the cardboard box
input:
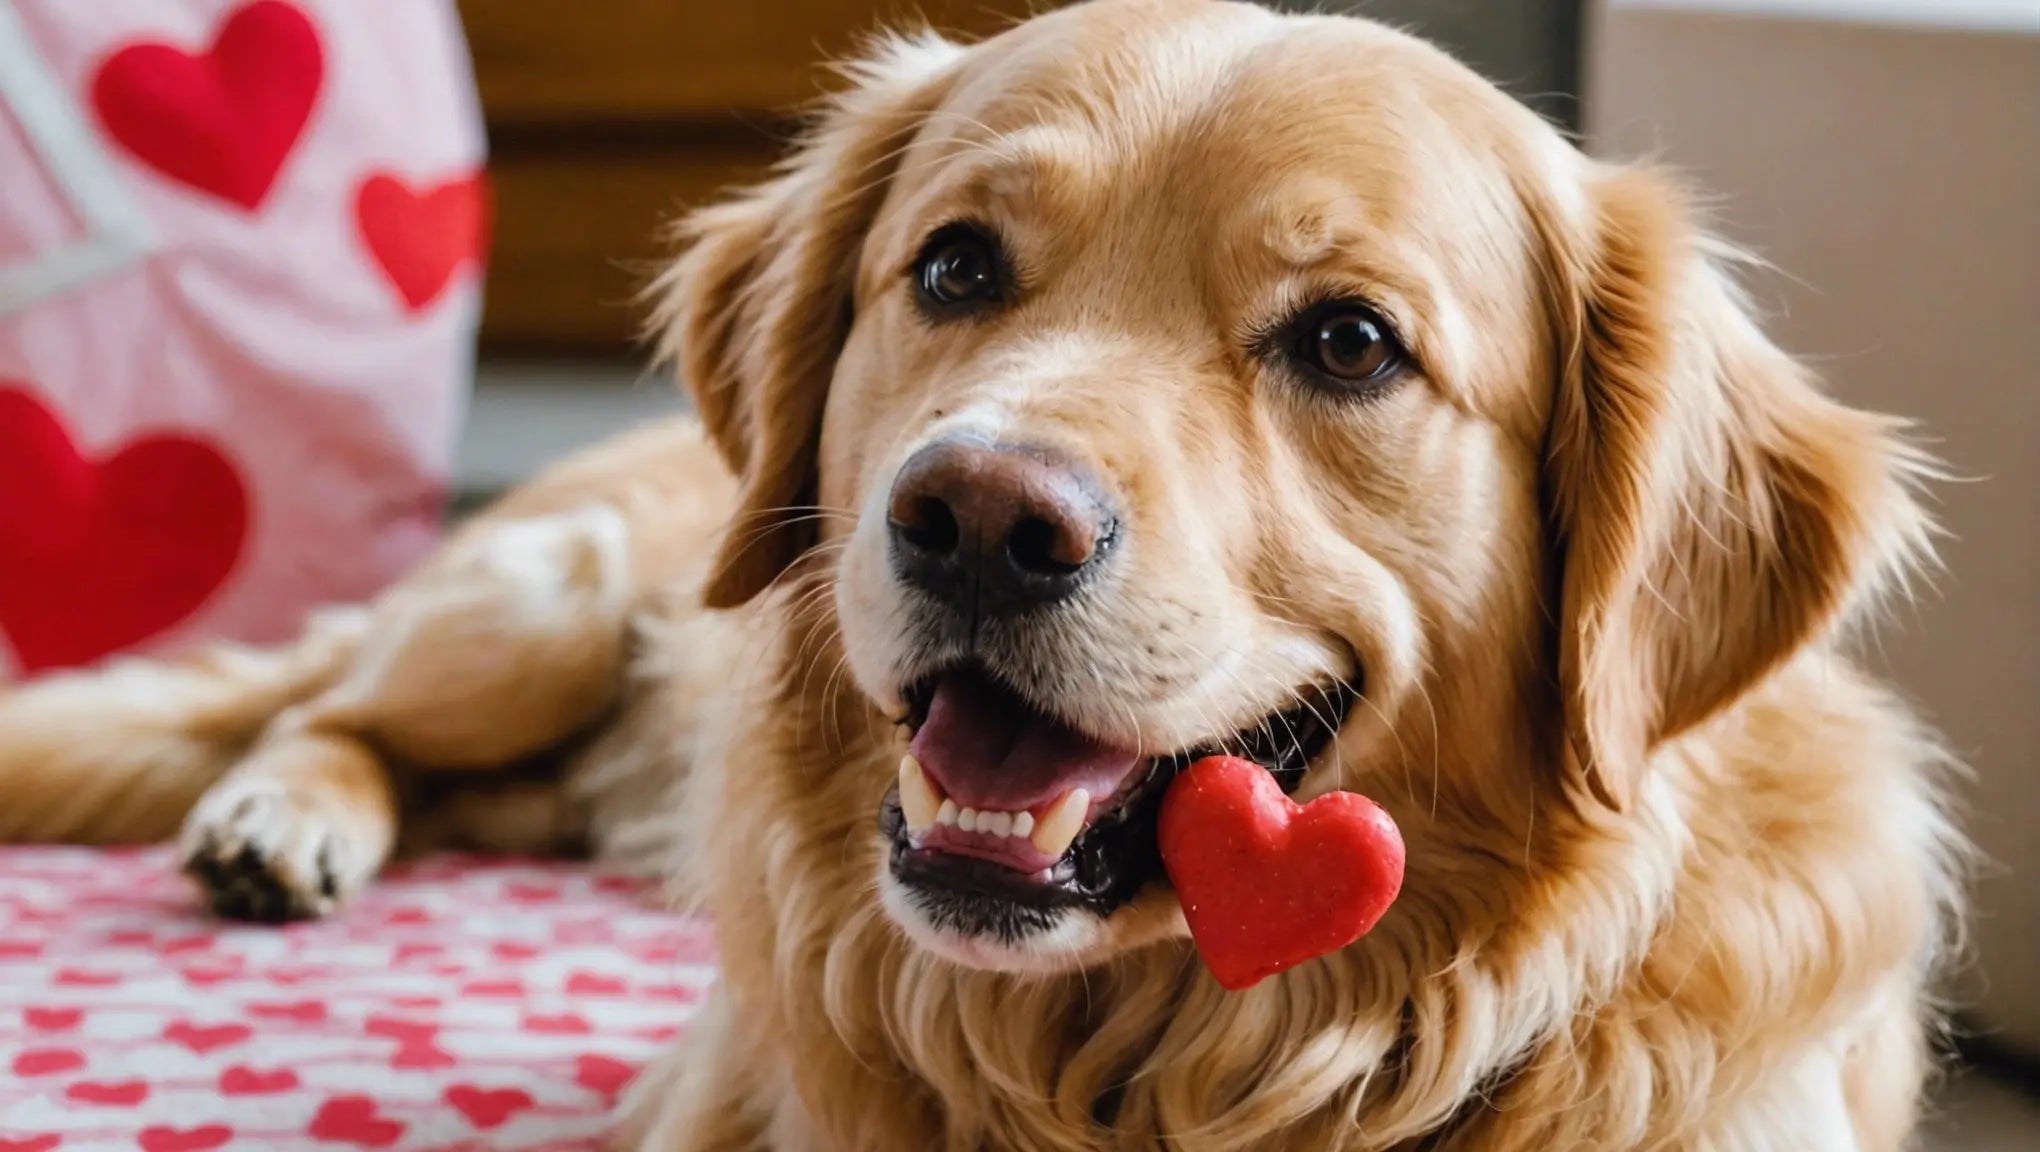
(1884, 155)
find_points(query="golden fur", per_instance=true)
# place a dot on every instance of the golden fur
(1679, 873)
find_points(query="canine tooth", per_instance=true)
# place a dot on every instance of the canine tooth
(948, 813)
(1023, 825)
(968, 821)
(1058, 827)
(917, 796)
(997, 823)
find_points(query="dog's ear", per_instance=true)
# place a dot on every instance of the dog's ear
(1713, 511)
(755, 311)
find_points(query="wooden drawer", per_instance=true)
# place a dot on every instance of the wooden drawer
(608, 117)
(577, 237)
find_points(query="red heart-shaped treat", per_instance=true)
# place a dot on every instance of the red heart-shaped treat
(101, 554)
(225, 120)
(1268, 884)
(419, 238)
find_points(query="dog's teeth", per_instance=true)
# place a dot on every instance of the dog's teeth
(1023, 825)
(1058, 827)
(968, 820)
(997, 823)
(948, 813)
(918, 802)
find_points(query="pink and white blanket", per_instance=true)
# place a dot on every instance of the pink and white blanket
(457, 1004)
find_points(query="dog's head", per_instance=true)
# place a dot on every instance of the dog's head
(1159, 378)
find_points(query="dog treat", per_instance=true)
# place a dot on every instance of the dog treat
(1266, 883)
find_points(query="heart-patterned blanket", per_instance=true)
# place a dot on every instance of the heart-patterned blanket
(458, 1004)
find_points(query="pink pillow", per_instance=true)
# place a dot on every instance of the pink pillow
(239, 253)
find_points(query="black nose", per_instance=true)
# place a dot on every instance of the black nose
(993, 529)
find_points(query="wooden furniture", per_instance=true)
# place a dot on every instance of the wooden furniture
(608, 117)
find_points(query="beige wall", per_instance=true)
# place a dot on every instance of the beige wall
(1892, 174)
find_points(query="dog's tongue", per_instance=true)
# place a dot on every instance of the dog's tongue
(988, 749)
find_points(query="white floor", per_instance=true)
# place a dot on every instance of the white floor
(525, 415)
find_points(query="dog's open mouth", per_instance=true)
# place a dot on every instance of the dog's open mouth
(1002, 810)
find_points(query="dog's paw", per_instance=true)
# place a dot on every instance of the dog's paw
(261, 851)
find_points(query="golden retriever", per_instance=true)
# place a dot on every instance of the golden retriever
(1158, 377)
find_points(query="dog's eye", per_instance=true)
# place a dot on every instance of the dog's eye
(958, 268)
(1349, 342)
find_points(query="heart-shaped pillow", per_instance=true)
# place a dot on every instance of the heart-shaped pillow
(1266, 883)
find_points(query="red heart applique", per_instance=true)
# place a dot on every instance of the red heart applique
(52, 1019)
(224, 121)
(1267, 884)
(162, 1139)
(602, 1074)
(490, 1108)
(42, 1143)
(122, 1094)
(101, 555)
(419, 238)
(47, 1061)
(353, 1120)
(241, 1080)
(207, 1038)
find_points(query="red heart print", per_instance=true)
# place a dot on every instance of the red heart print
(163, 1139)
(225, 120)
(301, 1011)
(419, 238)
(514, 950)
(52, 1019)
(420, 1054)
(1267, 884)
(353, 1120)
(183, 944)
(20, 949)
(559, 1024)
(493, 988)
(47, 1061)
(104, 554)
(241, 1080)
(592, 984)
(603, 1074)
(42, 1143)
(81, 977)
(398, 1028)
(204, 1039)
(486, 1109)
(206, 977)
(119, 1094)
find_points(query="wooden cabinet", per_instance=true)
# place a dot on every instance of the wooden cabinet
(608, 117)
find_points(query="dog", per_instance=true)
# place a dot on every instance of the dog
(1152, 379)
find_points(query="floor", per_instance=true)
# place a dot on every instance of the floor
(1978, 1114)
(524, 415)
